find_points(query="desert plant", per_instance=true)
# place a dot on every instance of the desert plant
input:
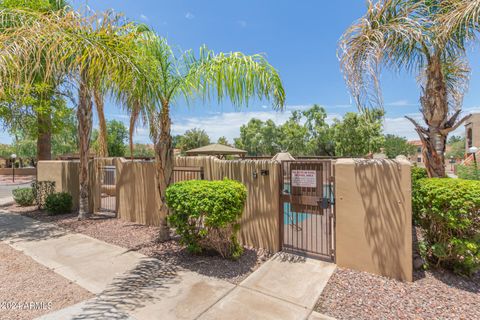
(23, 196)
(448, 212)
(205, 214)
(41, 190)
(59, 203)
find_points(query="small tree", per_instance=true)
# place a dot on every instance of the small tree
(193, 138)
(395, 146)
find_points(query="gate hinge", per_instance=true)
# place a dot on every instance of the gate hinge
(332, 253)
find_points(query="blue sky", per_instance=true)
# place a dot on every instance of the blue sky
(299, 38)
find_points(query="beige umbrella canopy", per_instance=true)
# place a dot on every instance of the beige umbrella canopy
(216, 150)
(283, 156)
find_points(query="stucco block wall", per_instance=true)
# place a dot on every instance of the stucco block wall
(374, 217)
(64, 174)
(259, 226)
(137, 196)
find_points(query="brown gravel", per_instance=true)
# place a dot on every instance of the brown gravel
(144, 240)
(24, 281)
(434, 294)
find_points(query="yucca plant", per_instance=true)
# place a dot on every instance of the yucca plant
(425, 38)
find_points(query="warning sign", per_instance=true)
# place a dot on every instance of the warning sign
(304, 178)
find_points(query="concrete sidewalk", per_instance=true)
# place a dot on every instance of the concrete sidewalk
(129, 285)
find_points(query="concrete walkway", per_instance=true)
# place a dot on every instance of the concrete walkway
(129, 285)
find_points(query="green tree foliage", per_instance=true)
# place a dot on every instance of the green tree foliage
(395, 146)
(358, 134)
(193, 138)
(223, 140)
(307, 133)
(456, 146)
(142, 150)
(117, 137)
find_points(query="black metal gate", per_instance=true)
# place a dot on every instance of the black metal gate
(108, 191)
(307, 220)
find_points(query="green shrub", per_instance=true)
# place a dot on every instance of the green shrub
(23, 196)
(59, 203)
(469, 172)
(448, 212)
(41, 190)
(417, 174)
(206, 213)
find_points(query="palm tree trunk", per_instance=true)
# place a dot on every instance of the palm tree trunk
(102, 136)
(435, 112)
(164, 166)
(44, 138)
(84, 114)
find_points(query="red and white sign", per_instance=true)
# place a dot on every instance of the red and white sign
(304, 178)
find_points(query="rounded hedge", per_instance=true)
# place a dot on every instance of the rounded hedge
(448, 211)
(206, 213)
(59, 203)
(24, 196)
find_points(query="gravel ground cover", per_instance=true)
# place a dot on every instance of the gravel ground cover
(25, 282)
(144, 239)
(435, 294)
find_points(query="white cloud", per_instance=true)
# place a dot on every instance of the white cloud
(189, 16)
(144, 17)
(400, 103)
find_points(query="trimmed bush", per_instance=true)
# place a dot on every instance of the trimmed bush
(41, 191)
(206, 213)
(59, 203)
(417, 174)
(448, 212)
(23, 196)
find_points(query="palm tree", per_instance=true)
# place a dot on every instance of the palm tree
(235, 76)
(84, 49)
(42, 97)
(409, 35)
(102, 123)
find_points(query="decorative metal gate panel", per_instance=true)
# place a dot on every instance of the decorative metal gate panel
(108, 192)
(307, 208)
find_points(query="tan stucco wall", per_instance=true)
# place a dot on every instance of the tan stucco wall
(259, 226)
(137, 199)
(374, 217)
(474, 124)
(64, 174)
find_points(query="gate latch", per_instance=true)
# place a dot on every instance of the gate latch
(324, 203)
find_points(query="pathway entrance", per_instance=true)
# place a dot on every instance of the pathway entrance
(307, 208)
(131, 286)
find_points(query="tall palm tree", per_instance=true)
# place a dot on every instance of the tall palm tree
(408, 35)
(42, 97)
(84, 49)
(235, 76)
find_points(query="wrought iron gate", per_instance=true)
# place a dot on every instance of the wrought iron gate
(307, 220)
(108, 192)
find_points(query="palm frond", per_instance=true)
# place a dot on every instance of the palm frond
(391, 33)
(235, 76)
(459, 19)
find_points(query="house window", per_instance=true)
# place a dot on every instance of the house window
(419, 159)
